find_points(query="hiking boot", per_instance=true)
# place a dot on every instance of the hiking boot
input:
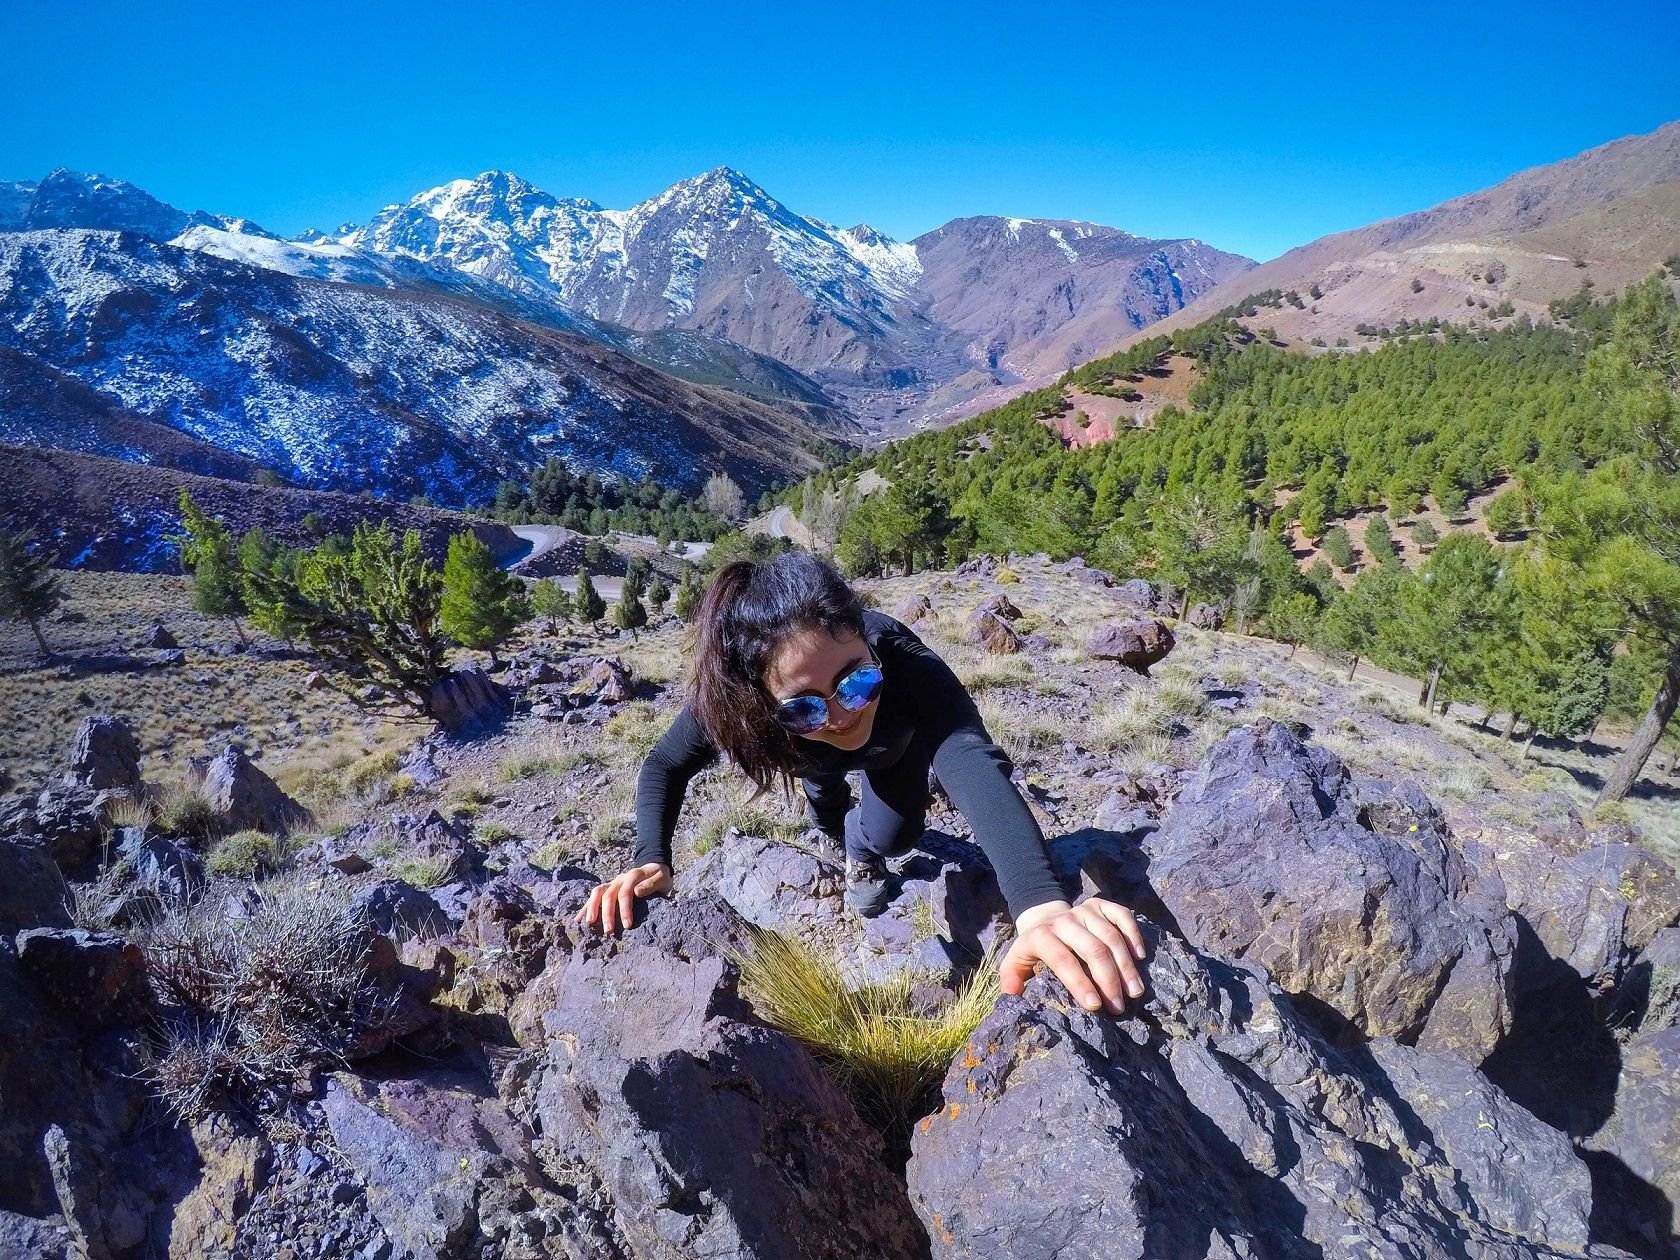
(866, 884)
(830, 846)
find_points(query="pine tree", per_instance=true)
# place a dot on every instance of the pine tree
(1379, 541)
(481, 603)
(628, 612)
(1293, 619)
(29, 589)
(587, 604)
(687, 598)
(1506, 515)
(1339, 547)
(658, 594)
(366, 604)
(550, 601)
(208, 553)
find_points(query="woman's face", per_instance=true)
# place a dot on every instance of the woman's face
(812, 664)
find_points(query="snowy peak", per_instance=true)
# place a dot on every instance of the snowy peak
(74, 199)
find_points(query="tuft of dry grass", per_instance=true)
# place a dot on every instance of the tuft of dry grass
(547, 754)
(183, 810)
(881, 1049)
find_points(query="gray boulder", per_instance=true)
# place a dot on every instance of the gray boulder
(1648, 884)
(1350, 894)
(912, 608)
(1643, 1132)
(244, 798)
(158, 636)
(1214, 1123)
(32, 891)
(393, 908)
(1135, 644)
(1206, 616)
(444, 1163)
(771, 884)
(160, 872)
(712, 1136)
(468, 700)
(105, 755)
(97, 978)
(69, 820)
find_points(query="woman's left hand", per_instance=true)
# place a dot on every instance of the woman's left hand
(1094, 948)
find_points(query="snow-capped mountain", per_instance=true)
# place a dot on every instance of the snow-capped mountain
(852, 307)
(350, 386)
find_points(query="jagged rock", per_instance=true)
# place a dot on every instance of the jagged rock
(421, 765)
(1642, 879)
(984, 565)
(469, 699)
(34, 1237)
(97, 978)
(1576, 917)
(70, 820)
(1141, 595)
(608, 681)
(443, 1161)
(1206, 616)
(1649, 998)
(314, 680)
(1271, 853)
(912, 608)
(712, 1136)
(770, 883)
(160, 871)
(32, 891)
(1066, 1133)
(1076, 568)
(233, 1166)
(158, 636)
(1135, 644)
(105, 755)
(106, 1214)
(1643, 1131)
(993, 633)
(1000, 604)
(393, 908)
(245, 798)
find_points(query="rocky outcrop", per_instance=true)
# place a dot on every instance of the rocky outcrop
(1350, 894)
(469, 700)
(105, 755)
(990, 631)
(1206, 616)
(711, 1135)
(245, 798)
(1066, 1133)
(1135, 644)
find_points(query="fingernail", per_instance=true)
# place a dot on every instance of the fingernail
(1135, 989)
(1091, 1002)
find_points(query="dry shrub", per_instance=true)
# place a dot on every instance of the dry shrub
(183, 810)
(130, 811)
(635, 729)
(546, 754)
(251, 855)
(251, 1002)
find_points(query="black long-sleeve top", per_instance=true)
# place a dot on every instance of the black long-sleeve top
(919, 696)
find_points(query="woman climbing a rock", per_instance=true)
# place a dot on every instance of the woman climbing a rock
(793, 677)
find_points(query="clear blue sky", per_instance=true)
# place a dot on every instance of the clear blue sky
(1252, 126)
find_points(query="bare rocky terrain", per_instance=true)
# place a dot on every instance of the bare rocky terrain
(1405, 1000)
(1610, 215)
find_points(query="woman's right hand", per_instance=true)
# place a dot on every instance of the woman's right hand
(613, 903)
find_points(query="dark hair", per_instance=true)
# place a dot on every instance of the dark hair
(749, 610)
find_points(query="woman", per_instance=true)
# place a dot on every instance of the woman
(794, 677)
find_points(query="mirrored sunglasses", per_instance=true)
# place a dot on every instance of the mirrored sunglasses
(802, 715)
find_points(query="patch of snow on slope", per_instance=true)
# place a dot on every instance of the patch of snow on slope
(1061, 244)
(894, 265)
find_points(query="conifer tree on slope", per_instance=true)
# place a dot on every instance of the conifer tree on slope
(481, 603)
(29, 589)
(208, 553)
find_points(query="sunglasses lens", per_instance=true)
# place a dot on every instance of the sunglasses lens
(859, 687)
(802, 714)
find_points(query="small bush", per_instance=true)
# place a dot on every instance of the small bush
(421, 871)
(1610, 814)
(185, 811)
(750, 819)
(635, 729)
(1007, 576)
(546, 756)
(494, 833)
(251, 855)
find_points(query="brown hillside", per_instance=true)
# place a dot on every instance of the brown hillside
(100, 513)
(1610, 215)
